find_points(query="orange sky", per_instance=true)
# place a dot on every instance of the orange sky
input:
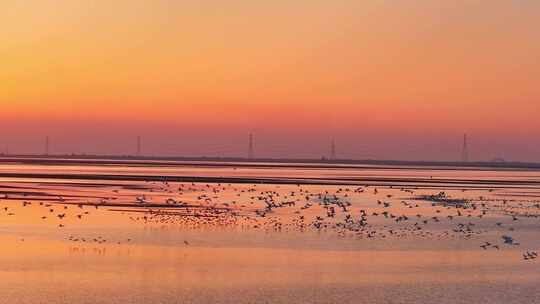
(422, 72)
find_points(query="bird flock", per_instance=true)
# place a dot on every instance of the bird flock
(360, 212)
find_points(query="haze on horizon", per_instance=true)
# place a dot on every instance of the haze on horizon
(385, 79)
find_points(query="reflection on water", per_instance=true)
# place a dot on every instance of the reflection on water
(370, 235)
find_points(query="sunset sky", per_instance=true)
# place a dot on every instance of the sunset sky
(386, 79)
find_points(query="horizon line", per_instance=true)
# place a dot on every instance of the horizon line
(244, 159)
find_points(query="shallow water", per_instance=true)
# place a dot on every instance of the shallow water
(91, 234)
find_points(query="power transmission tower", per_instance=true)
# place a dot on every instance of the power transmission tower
(465, 150)
(333, 150)
(47, 143)
(250, 147)
(138, 146)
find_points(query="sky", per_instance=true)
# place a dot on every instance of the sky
(384, 79)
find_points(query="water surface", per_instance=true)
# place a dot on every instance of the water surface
(123, 233)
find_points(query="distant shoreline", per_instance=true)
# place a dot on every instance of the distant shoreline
(259, 162)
